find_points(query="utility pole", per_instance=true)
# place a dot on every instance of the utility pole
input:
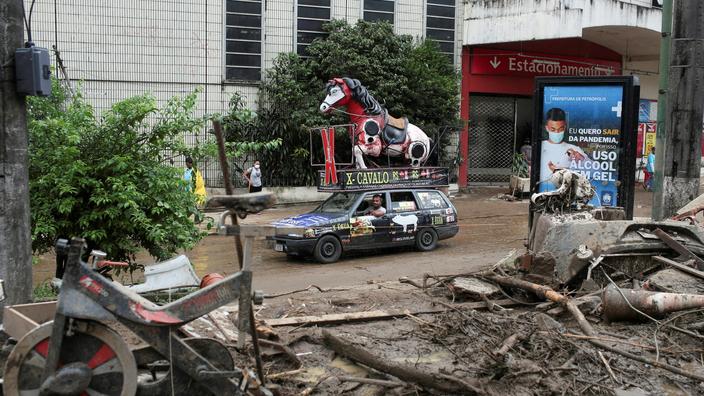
(15, 235)
(678, 145)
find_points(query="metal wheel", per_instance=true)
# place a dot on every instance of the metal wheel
(427, 239)
(92, 348)
(328, 249)
(157, 379)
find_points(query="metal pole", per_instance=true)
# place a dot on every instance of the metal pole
(229, 189)
(15, 234)
(678, 147)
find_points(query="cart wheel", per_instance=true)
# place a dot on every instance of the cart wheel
(94, 360)
(427, 239)
(328, 249)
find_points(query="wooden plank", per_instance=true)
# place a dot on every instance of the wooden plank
(373, 315)
(20, 319)
(681, 267)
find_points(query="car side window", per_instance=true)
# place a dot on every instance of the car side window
(431, 200)
(403, 201)
(367, 203)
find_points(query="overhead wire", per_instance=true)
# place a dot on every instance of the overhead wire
(28, 22)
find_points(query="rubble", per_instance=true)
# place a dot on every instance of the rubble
(458, 348)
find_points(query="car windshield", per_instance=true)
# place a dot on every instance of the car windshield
(338, 202)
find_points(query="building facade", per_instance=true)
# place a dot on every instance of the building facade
(171, 47)
(507, 43)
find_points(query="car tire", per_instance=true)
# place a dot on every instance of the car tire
(426, 240)
(328, 249)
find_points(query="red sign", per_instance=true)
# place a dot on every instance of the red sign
(530, 64)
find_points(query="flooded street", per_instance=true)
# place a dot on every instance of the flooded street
(489, 229)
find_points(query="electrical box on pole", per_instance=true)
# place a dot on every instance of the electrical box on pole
(33, 72)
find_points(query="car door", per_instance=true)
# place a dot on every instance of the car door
(404, 217)
(367, 230)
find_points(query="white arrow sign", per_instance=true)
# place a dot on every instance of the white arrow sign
(495, 63)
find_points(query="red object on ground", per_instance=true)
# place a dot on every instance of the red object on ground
(210, 279)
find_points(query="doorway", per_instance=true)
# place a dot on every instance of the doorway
(498, 126)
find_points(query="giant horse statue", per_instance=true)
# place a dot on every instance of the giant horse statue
(378, 133)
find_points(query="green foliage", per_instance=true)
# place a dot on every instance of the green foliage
(519, 167)
(104, 178)
(411, 79)
(244, 137)
(44, 292)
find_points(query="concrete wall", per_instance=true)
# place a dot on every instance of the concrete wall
(647, 72)
(172, 47)
(495, 21)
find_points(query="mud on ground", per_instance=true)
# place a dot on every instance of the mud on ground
(552, 359)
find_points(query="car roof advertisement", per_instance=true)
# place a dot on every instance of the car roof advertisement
(369, 179)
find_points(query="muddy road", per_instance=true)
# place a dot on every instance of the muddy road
(489, 229)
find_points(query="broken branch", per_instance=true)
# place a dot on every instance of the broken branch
(371, 381)
(440, 382)
(550, 294)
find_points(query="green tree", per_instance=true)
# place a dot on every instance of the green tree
(106, 178)
(411, 79)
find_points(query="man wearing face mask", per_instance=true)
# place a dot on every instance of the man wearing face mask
(253, 176)
(555, 153)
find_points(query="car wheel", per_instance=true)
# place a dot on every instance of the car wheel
(328, 249)
(427, 239)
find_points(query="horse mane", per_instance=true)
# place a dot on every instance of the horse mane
(362, 95)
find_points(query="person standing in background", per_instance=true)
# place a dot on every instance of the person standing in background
(253, 176)
(650, 168)
(194, 181)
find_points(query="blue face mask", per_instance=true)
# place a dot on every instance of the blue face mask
(556, 137)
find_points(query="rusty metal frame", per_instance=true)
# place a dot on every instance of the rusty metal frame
(99, 298)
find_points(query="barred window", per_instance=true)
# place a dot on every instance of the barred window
(379, 10)
(440, 24)
(311, 15)
(243, 40)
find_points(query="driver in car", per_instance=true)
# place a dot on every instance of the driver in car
(376, 210)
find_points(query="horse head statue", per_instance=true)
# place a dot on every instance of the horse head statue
(377, 132)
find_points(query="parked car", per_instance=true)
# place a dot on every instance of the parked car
(414, 216)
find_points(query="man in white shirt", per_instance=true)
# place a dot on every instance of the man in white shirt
(555, 154)
(376, 210)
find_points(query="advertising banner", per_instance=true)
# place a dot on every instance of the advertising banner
(587, 125)
(370, 179)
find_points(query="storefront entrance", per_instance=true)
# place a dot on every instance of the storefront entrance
(498, 126)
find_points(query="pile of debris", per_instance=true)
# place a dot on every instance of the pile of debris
(485, 333)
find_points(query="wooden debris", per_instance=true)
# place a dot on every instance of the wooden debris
(284, 374)
(371, 381)
(441, 382)
(509, 343)
(608, 367)
(320, 289)
(372, 315)
(550, 294)
(283, 348)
